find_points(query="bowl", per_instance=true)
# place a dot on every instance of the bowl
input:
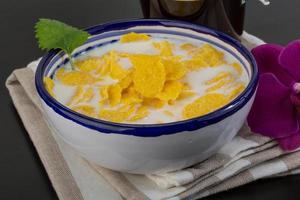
(151, 148)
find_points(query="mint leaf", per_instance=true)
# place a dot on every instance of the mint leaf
(53, 34)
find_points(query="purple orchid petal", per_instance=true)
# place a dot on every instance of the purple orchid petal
(266, 57)
(273, 113)
(289, 59)
(295, 100)
(290, 143)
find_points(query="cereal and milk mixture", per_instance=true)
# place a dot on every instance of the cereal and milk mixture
(147, 79)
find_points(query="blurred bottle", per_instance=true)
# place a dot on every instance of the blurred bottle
(224, 15)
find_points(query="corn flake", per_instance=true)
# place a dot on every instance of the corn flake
(117, 72)
(220, 84)
(119, 115)
(85, 110)
(126, 82)
(104, 70)
(165, 47)
(236, 91)
(205, 56)
(238, 68)
(218, 77)
(149, 75)
(150, 83)
(82, 95)
(133, 37)
(175, 70)
(203, 105)
(141, 113)
(88, 95)
(60, 73)
(103, 92)
(89, 64)
(171, 91)
(74, 78)
(130, 96)
(186, 94)
(77, 95)
(114, 94)
(195, 63)
(212, 56)
(187, 46)
(153, 102)
(49, 85)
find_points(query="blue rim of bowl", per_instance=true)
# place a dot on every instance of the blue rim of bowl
(151, 130)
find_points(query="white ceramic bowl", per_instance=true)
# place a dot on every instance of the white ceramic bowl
(148, 148)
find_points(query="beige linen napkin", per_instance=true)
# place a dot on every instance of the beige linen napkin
(22, 90)
(246, 158)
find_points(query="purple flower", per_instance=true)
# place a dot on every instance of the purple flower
(276, 108)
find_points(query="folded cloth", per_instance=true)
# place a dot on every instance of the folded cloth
(246, 158)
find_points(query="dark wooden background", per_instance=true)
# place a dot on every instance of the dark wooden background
(22, 175)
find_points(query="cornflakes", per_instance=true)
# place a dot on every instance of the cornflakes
(187, 46)
(153, 102)
(204, 105)
(117, 72)
(120, 115)
(220, 84)
(135, 87)
(130, 96)
(82, 95)
(171, 91)
(126, 81)
(175, 70)
(103, 92)
(186, 94)
(211, 55)
(88, 95)
(111, 67)
(49, 85)
(141, 113)
(104, 70)
(89, 64)
(165, 47)
(133, 37)
(205, 56)
(60, 73)
(114, 94)
(195, 63)
(218, 77)
(85, 110)
(236, 91)
(74, 78)
(77, 95)
(238, 68)
(149, 75)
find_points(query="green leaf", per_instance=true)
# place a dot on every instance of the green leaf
(53, 34)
